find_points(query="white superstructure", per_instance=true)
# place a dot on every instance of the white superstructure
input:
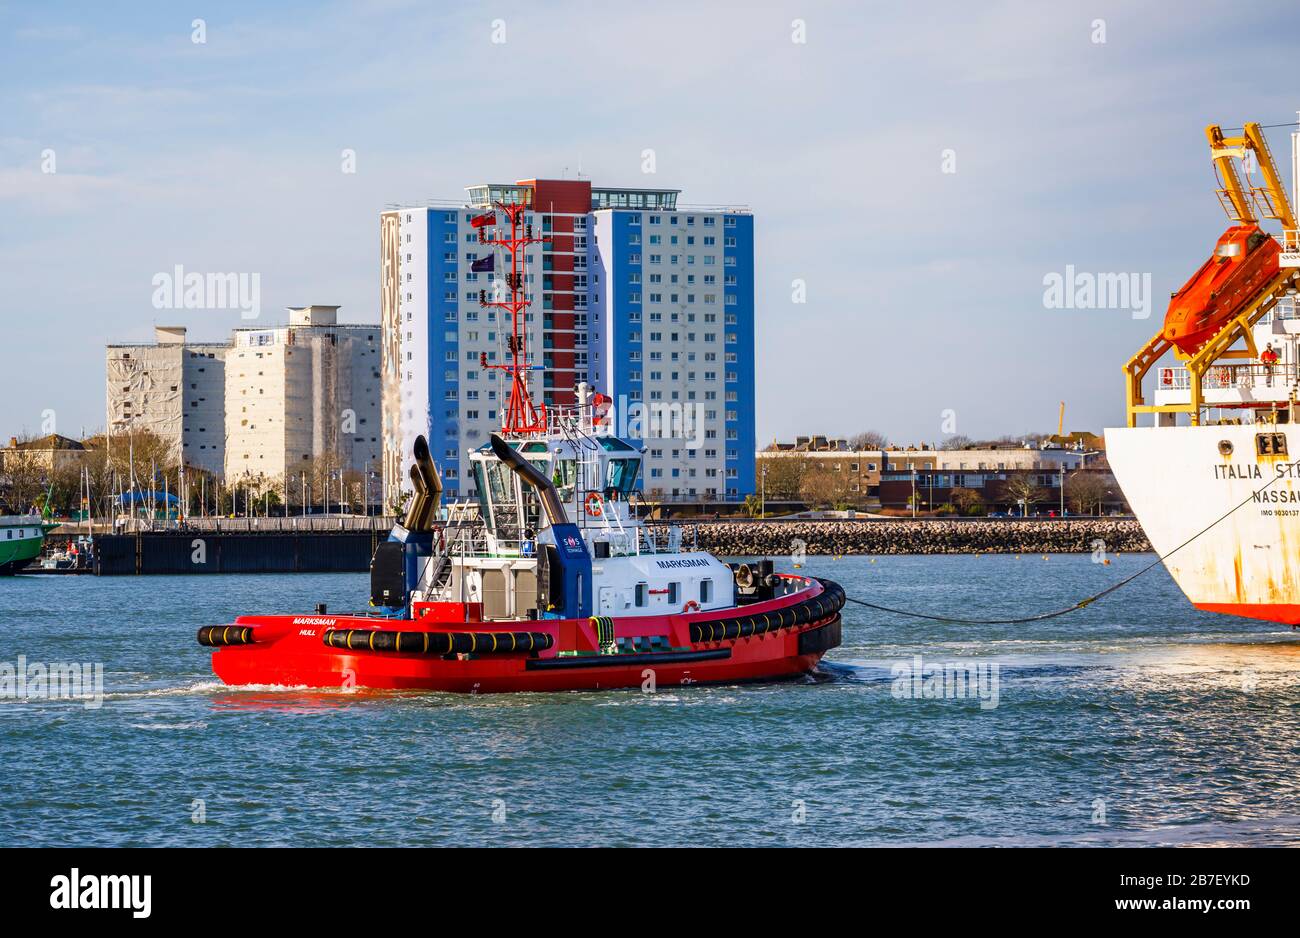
(490, 548)
(1234, 389)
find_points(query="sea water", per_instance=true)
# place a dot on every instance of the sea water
(1137, 720)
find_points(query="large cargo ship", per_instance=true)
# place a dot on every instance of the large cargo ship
(1214, 481)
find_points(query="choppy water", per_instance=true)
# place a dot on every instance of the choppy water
(1171, 725)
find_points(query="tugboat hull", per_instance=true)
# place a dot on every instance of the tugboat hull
(779, 638)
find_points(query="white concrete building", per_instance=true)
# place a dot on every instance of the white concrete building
(1014, 458)
(261, 405)
(308, 390)
(175, 389)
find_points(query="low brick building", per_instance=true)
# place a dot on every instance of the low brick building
(51, 453)
(819, 471)
(1000, 478)
(825, 469)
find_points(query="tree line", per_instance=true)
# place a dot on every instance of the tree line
(113, 468)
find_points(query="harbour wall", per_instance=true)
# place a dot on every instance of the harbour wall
(211, 552)
(350, 551)
(906, 536)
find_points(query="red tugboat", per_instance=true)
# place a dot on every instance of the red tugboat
(511, 593)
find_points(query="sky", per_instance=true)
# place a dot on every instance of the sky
(915, 171)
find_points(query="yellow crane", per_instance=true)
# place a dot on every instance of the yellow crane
(1242, 201)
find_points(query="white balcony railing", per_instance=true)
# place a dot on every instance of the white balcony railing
(1245, 377)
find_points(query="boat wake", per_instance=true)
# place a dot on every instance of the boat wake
(216, 688)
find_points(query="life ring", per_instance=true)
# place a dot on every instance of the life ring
(1167, 376)
(691, 606)
(593, 505)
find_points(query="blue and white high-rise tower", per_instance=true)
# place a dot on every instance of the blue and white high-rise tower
(649, 302)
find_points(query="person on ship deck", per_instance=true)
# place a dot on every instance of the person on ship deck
(1268, 358)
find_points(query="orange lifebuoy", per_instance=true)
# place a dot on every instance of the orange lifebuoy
(593, 505)
(691, 606)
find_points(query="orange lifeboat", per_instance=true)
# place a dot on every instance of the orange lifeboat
(1244, 261)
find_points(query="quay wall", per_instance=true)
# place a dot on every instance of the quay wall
(907, 536)
(210, 552)
(350, 551)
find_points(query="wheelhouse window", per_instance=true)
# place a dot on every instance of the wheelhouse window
(621, 474)
(564, 477)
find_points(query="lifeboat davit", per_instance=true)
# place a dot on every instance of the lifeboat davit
(1244, 261)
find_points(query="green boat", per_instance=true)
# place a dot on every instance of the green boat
(21, 538)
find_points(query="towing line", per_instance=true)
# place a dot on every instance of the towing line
(1081, 603)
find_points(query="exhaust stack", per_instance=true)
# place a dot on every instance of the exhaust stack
(428, 489)
(563, 567)
(544, 487)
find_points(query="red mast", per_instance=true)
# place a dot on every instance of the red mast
(521, 416)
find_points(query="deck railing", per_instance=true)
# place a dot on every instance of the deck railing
(1227, 377)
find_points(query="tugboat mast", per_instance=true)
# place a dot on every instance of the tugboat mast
(521, 416)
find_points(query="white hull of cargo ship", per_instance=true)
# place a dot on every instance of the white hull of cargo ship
(1182, 480)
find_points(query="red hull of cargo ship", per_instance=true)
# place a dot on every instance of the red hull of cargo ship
(777, 638)
(1285, 613)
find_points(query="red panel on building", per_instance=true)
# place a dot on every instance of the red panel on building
(560, 195)
(565, 197)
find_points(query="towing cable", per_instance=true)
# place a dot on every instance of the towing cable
(1081, 603)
